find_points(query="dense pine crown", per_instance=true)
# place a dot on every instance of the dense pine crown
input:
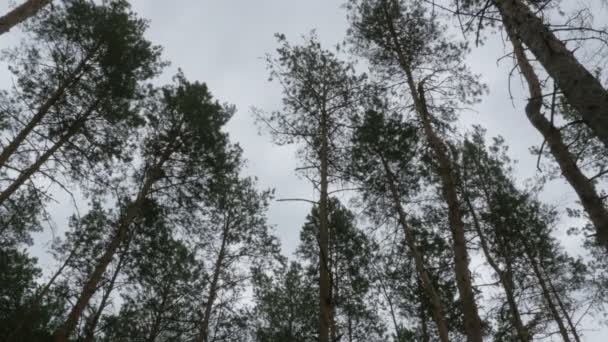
(418, 227)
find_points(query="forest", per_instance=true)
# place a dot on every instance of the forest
(419, 226)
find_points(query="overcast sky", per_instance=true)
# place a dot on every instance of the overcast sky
(223, 43)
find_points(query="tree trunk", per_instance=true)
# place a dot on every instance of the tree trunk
(204, 329)
(324, 278)
(391, 306)
(423, 325)
(522, 332)
(427, 284)
(590, 200)
(35, 302)
(21, 13)
(547, 296)
(132, 212)
(92, 324)
(583, 91)
(472, 322)
(562, 307)
(12, 147)
(27, 173)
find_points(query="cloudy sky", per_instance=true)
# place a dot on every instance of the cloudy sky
(223, 43)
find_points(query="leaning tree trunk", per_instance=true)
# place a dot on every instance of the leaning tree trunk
(32, 169)
(562, 307)
(547, 295)
(472, 322)
(92, 324)
(522, 332)
(590, 199)
(426, 283)
(324, 277)
(131, 214)
(21, 13)
(42, 111)
(583, 91)
(505, 277)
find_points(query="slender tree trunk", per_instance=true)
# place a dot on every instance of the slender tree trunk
(324, 277)
(32, 169)
(583, 91)
(92, 324)
(423, 325)
(427, 284)
(547, 295)
(350, 329)
(522, 332)
(590, 200)
(562, 307)
(472, 322)
(131, 213)
(391, 306)
(42, 111)
(21, 13)
(204, 328)
(334, 285)
(35, 302)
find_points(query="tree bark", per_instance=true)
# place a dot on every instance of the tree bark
(427, 284)
(12, 147)
(590, 200)
(131, 213)
(324, 278)
(580, 87)
(21, 13)
(203, 334)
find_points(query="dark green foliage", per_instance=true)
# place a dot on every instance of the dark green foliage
(349, 257)
(172, 241)
(286, 306)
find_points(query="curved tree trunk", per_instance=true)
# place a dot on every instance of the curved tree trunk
(580, 87)
(590, 200)
(21, 13)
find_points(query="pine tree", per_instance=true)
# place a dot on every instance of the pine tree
(405, 39)
(182, 153)
(81, 72)
(319, 90)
